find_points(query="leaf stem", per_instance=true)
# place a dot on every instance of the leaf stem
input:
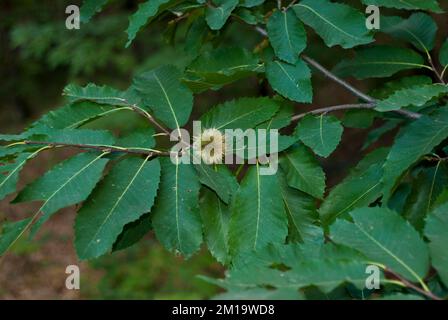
(425, 291)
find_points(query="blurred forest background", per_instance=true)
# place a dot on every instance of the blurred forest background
(39, 57)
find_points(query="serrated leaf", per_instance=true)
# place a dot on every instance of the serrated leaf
(302, 214)
(385, 238)
(215, 218)
(430, 5)
(244, 113)
(303, 172)
(98, 94)
(287, 35)
(221, 180)
(66, 184)
(72, 116)
(416, 96)
(10, 232)
(393, 86)
(115, 202)
(91, 7)
(291, 81)
(360, 188)
(322, 134)
(79, 136)
(335, 23)
(176, 218)
(217, 14)
(162, 91)
(413, 142)
(419, 29)
(258, 215)
(214, 69)
(145, 13)
(379, 62)
(9, 172)
(436, 231)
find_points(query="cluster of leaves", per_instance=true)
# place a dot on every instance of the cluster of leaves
(284, 235)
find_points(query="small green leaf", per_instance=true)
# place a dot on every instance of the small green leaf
(303, 172)
(335, 23)
(221, 180)
(218, 13)
(322, 133)
(162, 92)
(287, 35)
(291, 81)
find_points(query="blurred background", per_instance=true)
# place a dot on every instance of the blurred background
(39, 57)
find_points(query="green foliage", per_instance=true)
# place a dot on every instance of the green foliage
(335, 23)
(291, 81)
(322, 134)
(114, 204)
(384, 238)
(258, 216)
(310, 229)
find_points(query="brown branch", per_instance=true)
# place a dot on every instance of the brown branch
(149, 117)
(99, 148)
(412, 286)
(334, 108)
(345, 84)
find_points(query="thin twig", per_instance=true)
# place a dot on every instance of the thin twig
(151, 119)
(335, 78)
(434, 69)
(102, 148)
(293, 2)
(412, 286)
(345, 84)
(334, 108)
